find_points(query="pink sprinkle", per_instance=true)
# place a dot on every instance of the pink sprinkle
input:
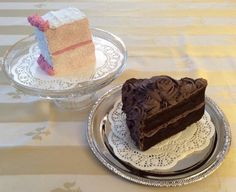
(45, 66)
(37, 21)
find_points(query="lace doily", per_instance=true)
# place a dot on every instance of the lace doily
(26, 71)
(165, 154)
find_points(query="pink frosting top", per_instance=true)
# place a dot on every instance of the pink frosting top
(39, 22)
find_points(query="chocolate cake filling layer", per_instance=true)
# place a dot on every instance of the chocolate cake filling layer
(156, 107)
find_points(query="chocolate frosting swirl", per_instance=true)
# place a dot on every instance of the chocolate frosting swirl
(146, 97)
(168, 88)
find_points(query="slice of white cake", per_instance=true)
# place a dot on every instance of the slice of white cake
(65, 42)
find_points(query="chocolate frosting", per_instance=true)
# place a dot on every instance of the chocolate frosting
(144, 98)
(149, 96)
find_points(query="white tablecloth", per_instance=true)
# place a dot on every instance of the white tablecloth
(43, 148)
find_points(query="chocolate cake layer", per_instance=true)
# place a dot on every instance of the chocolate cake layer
(172, 129)
(156, 107)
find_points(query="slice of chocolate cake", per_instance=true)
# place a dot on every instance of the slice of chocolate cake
(160, 107)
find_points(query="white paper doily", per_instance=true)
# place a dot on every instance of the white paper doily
(27, 72)
(165, 154)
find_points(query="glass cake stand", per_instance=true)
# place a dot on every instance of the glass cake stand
(21, 68)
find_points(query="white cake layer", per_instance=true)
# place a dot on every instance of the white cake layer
(63, 16)
(56, 19)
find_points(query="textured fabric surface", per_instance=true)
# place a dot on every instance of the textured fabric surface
(44, 149)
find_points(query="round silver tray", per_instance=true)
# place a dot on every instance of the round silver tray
(198, 167)
(21, 68)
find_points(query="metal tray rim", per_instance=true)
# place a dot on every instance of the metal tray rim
(159, 183)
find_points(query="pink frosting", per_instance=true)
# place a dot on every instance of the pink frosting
(77, 45)
(45, 66)
(39, 22)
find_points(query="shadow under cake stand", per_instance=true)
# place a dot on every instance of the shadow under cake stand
(21, 68)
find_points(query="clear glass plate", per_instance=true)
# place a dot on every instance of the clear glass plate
(21, 68)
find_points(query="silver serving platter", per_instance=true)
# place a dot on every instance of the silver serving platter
(199, 166)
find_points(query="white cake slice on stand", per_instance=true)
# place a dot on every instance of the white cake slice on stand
(65, 42)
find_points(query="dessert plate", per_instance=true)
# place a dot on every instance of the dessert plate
(20, 66)
(191, 169)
